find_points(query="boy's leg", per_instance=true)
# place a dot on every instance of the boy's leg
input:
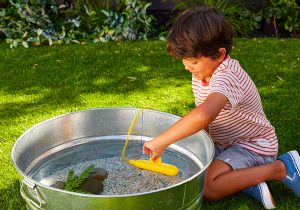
(238, 157)
(221, 180)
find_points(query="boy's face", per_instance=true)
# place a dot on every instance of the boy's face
(202, 68)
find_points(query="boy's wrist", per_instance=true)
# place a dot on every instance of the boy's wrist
(160, 143)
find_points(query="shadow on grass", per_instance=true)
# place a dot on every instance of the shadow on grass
(235, 202)
(59, 76)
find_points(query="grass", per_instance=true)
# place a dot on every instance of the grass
(40, 83)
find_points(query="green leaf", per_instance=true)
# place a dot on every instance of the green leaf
(106, 13)
(2, 13)
(15, 43)
(75, 41)
(39, 32)
(50, 41)
(25, 44)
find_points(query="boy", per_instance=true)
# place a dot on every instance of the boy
(228, 106)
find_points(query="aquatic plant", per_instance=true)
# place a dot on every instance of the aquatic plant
(73, 182)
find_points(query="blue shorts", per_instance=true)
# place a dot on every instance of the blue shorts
(238, 157)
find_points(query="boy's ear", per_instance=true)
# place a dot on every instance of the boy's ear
(222, 54)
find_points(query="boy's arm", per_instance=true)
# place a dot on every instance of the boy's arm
(196, 120)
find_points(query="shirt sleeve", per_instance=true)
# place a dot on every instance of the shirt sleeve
(228, 84)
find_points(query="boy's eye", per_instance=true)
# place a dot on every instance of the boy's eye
(194, 63)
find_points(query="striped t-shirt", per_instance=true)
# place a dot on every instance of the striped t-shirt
(242, 120)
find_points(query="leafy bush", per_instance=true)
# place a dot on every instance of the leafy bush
(284, 15)
(130, 22)
(42, 22)
(32, 24)
(242, 19)
(250, 21)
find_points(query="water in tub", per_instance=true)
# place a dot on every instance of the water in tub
(122, 179)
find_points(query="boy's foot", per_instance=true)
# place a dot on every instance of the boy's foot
(291, 161)
(262, 193)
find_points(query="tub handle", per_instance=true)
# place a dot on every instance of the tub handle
(34, 189)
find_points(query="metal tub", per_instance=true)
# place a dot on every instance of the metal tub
(68, 135)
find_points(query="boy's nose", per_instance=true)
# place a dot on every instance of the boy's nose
(187, 67)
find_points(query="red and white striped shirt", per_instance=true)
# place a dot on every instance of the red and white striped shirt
(242, 120)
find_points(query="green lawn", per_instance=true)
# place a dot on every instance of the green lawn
(40, 83)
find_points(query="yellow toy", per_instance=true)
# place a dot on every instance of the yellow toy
(150, 165)
(156, 166)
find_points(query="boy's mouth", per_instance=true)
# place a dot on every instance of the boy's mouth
(195, 74)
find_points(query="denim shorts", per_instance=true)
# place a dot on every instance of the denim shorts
(238, 157)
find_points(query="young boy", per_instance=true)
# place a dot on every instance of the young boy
(228, 106)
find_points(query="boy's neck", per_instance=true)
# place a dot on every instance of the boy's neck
(206, 81)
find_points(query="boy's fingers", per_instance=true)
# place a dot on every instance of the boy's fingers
(146, 150)
(154, 156)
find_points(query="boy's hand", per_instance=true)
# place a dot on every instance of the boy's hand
(152, 149)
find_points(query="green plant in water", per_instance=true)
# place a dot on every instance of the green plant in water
(73, 182)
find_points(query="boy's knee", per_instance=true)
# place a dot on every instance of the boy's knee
(210, 195)
(210, 191)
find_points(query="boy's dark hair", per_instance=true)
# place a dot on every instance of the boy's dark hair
(200, 31)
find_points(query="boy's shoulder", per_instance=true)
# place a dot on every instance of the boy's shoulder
(230, 72)
(229, 66)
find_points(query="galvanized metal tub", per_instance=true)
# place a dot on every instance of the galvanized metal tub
(67, 135)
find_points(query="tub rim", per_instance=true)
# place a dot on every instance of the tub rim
(36, 183)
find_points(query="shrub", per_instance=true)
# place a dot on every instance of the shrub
(129, 22)
(41, 22)
(284, 15)
(242, 19)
